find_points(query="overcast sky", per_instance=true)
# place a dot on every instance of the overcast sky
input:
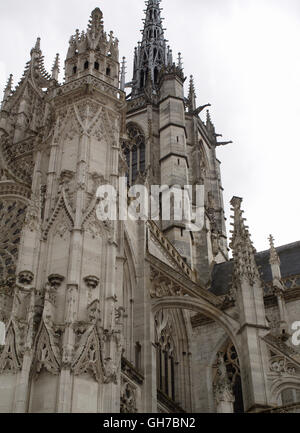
(245, 58)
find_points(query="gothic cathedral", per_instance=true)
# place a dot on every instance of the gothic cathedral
(108, 316)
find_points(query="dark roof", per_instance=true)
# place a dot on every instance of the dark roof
(290, 265)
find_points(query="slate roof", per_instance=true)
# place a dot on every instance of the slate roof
(290, 265)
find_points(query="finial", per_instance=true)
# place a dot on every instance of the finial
(236, 202)
(123, 74)
(208, 119)
(95, 22)
(274, 258)
(192, 95)
(192, 86)
(55, 69)
(38, 44)
(37, 47)
(180, 64)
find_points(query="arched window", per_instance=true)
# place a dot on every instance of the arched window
(96, 66)
(86, 65)
(108, 71)
(165, 355)
(232, 364)
(134, 150)
(74, 69)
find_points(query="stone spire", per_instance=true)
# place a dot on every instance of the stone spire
(123, 74)
(192, 95)
(55, 69)
(209, 125)
(179, 61)
(8, 89)
(152, 54)
(37, 48)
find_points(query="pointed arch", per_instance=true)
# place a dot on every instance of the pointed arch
(135, 151)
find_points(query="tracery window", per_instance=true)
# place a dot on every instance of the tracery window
(234, 375)
(134, 150)
(165, 355)
(12, 216)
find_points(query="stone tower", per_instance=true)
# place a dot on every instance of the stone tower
(130, 315)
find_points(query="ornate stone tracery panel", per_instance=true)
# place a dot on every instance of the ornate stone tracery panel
(128, 396)
(134, 150)
(12, 217)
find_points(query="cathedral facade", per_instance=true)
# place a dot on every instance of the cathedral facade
(124, 315)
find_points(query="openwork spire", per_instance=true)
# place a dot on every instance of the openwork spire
(242, 248)
(152, 53)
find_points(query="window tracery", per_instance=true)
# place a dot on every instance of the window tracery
(12, 216)
(166, 355)
(134, 150)
(232, 364)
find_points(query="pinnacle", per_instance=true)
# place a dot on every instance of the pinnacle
(192, 93)
(55, 69)
(9, 82)
(8, 88)
(180, 63)
(38, 44)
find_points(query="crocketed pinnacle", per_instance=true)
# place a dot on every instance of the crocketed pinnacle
(55, 69)
(242, 248)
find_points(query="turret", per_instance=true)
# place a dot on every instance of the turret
(93, 53)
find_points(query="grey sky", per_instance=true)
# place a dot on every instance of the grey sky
(245, 59)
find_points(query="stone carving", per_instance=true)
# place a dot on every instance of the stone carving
(223, 390)
(91, 281)
(62, 217)
(48, 339)
(128, 397)
(280, 365)
(12, 216)
(163, 286)
(93, 347)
